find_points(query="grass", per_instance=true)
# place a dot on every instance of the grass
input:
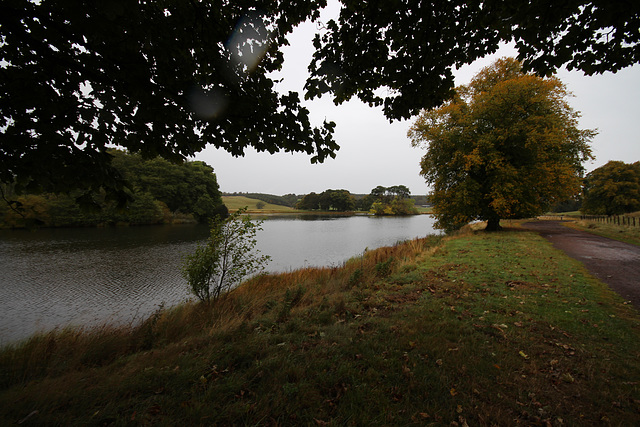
(623, 233)
(479, 329)
(424, 210)
(234, 203)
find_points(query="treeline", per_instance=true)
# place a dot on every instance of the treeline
(612, 189)
(328, 200)
(160, 192)
(393, 200)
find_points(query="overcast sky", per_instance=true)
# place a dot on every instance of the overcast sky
(375, 152)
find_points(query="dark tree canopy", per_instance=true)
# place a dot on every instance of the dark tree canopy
(168, 77)
(337, 200)
(190, 187)
(409, 47)
(162, 192)
(156, 77)
(612, 189)
(392, 200)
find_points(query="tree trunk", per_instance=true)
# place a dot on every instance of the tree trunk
(493, 224)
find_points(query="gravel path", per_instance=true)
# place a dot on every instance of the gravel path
(615, 263)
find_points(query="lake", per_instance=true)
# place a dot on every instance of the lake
(88, 276)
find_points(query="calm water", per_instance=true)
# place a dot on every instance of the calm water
(57, 277)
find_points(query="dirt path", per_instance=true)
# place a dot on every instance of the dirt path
(615, 263)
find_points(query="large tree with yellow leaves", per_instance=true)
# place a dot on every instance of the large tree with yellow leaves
(506, 146)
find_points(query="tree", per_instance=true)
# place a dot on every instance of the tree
(364, 203)
(399, 191)
(226, 258)
(392, 200)
(612, 189)
(403, 206)
(338, 200)
(157, 186)
(380, 194)
(169, 77)
(189, 187)
(506, 146)
(309, 202)
(155, 77)
(410, 47)
(379, 208)
(570, 205)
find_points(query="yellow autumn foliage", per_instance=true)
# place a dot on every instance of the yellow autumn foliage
(506, 146)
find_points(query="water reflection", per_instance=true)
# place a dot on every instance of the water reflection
(57, 277)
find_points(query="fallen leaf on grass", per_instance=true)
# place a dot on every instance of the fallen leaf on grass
(522, 353)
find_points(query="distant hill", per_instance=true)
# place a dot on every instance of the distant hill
(286, 203)
(289, 200)
(253, 205)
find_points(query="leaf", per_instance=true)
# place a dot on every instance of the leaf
(522, 353)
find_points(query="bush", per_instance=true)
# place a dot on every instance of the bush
(226, 258)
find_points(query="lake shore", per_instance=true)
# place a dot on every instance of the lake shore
(478, 329)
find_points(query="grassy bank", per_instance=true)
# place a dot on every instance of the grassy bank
(624, 233)
(234, 203)
(480, 329)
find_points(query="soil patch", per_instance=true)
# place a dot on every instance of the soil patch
(615, 263)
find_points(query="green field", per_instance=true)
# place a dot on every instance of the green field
(234, 203)
(480, 329)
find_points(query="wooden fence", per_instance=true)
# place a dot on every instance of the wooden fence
(629, 221)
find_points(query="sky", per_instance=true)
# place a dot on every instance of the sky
(375, 152)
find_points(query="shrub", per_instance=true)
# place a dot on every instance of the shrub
(226, 258)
